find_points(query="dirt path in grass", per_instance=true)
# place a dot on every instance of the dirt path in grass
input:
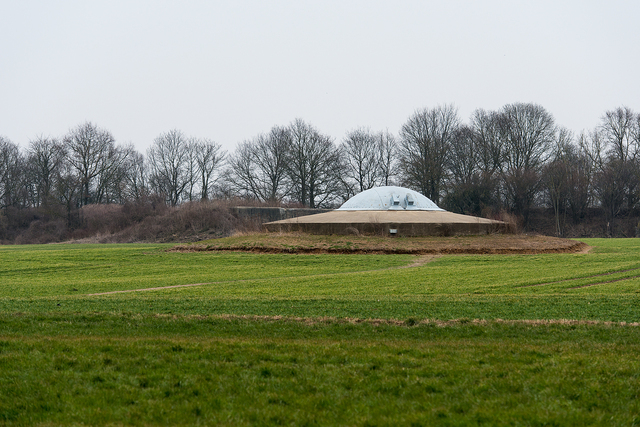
(157, 288)
(418, 262)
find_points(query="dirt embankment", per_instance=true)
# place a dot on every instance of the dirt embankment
(299, 243)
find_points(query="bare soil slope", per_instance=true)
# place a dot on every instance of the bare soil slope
(307, 243)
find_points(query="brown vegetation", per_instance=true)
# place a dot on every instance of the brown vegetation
(307, 243)
(145, 221)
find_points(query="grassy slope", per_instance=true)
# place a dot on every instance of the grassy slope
(69, 358)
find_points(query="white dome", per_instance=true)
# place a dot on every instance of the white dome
(389, 198)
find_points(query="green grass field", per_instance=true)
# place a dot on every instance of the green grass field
(267, 339)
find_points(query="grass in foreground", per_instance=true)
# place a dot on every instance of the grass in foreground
(140, 370)
(175, 357)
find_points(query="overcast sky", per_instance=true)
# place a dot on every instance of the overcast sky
(228, 70)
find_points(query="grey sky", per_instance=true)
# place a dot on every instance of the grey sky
(230, 70)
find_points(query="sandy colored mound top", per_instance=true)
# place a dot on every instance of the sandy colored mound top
(400, 222)
(305, 243)
(389, 216)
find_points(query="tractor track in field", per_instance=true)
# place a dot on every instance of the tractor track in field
(419, 261)
(606, 282)
(590, 277)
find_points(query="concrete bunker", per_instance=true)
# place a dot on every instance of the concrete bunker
(389, 210)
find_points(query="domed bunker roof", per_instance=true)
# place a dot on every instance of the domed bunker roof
(389, 198)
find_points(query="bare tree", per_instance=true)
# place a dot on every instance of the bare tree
(594, 146)
(45, 157)
(111, 178)
(87, 148)
(258, 167)
(68, 191)
(580, 175)
(488, 152)
(462, 172)
(11, 176)
(191, 170)
(314, 166)
(209, 159)
(136, 187)
(463, 159)
(609, 189)
(369, 159)
(618, 129)
(613, 150)
(271, 160)
(461, 167)
(556, 177)
(488, 142)
(242, 176)
(168, 157)
(362, 156)
(528, 132)
(424, 148)
(635, 131)
(471, 183)
(388, 150)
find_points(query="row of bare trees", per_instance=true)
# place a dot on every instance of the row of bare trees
(300, 164)
(513, 159)
(83, 167)
(181, 168)
(517, 158)
(86, 166)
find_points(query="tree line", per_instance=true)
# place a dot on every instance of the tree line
(515, 159)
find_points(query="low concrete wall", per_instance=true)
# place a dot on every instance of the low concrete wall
(273, 214)
(408, 229)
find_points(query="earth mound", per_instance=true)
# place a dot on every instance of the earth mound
(300, 243)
